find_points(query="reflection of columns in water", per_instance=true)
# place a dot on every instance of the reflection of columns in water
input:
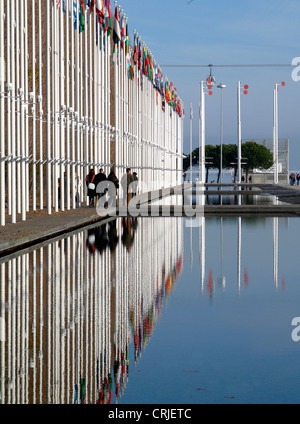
(275, 246)
(72, 310)
(239, 252)
(202, 250)
(275, 250)
(223, 278)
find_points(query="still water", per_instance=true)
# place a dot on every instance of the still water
(154, 311)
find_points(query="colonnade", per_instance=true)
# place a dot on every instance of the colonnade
(68, 103)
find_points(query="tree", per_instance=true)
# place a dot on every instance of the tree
(256, 156)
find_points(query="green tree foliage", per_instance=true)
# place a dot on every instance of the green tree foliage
(255, 156)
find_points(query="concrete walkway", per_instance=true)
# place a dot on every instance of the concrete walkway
(39, 226)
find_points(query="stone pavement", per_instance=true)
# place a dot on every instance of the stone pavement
(39, 226)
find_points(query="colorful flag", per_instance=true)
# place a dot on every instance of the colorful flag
(75, 14)
(107, 15)
(116, 32)
(82, 17)
(99, 10)
(127, 40)
(135, 53)
(91, 4)
(123, 34)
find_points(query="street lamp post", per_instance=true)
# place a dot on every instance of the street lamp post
(202, 135)
(239, 126)
(221, 86)
(239, 132)
(191, 138)
(275, 130)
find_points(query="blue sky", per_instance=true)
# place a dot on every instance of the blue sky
(234, 32)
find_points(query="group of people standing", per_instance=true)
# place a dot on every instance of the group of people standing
(129, 183)
(294, 179)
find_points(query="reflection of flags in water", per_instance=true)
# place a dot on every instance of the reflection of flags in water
(246, 278)
(76, 395)
(82, 391)
(210, 282)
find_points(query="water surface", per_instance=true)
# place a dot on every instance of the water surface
(155, 311)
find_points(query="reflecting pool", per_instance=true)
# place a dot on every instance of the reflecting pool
(154, 311)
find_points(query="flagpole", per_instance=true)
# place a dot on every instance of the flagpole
(22, 112)
(91, 78)
(18, 107)
(54, 107)
(9, 104)
(202, 117)
(48, 102)
(2, 118)
(116, 120)
(40, 109)
(81, 102)
(62, 105)
(25, 104)
(13, 123)
(70, 178)
(86, 113)
(77, 105)
(191, 119)
(274, 133)
(34, 186)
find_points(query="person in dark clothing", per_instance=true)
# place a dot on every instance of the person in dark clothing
(127, 179)
(90, 183)
(99, 178)
(135, 184)
(114, 179)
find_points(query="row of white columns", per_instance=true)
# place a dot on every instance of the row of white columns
(73, 312)
(148, 139)
(50, 68)
(55, 109)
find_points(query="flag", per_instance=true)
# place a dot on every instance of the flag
(107, 15)
(75, 14)
(126, 40)
(99, 10)
(91, 4)
(82, 17)
(116, 32)
(130, 66)
(135, 53)
(123, 23)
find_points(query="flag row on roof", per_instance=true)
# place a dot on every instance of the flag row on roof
(139, 59)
